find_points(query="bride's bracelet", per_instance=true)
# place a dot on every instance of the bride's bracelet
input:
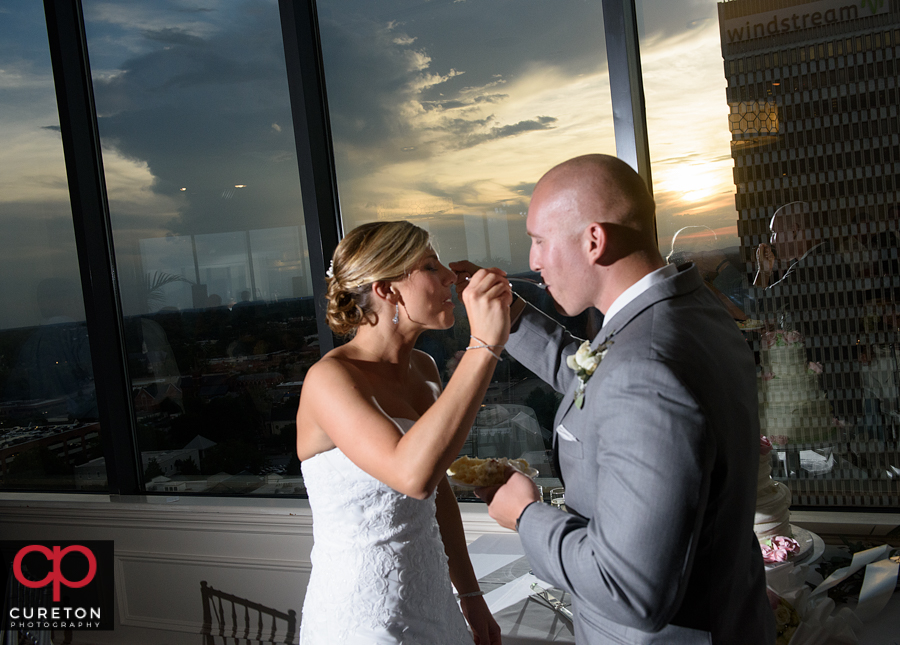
(471, 594)
(484, 345)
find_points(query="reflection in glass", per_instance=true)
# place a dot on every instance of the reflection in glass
(204, 193)
(804, 212)
(446, 114)
(49, 432)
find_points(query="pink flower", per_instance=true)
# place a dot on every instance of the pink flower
(781, 338)
(768, 376)
(815, 368)
(772, 556)
(784, 542)
(779, 549)
(779, 439)
(765, 446)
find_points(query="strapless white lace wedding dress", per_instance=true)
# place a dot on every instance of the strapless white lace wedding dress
(379, 570)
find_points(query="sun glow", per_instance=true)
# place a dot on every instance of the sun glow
(690, 182)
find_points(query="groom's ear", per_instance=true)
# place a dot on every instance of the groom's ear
(596, 241)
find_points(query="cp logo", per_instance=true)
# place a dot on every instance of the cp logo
(55, 576)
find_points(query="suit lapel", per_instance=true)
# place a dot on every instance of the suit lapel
(555, 456)
(569, 400)
(686, 280)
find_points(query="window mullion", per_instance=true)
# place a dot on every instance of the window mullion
(626, 86)
(93, 239)
(315, 153)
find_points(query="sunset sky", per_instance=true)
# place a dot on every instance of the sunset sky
(443, 112)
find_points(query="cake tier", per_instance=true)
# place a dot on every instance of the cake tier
(802, 422)
(764, 474)
(792, 389)
(773, 516)
(783, 355)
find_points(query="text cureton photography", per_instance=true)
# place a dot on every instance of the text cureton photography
(57, 584)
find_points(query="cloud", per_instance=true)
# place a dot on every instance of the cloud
(662, 20)
(198, 112)
(172, 36)
(525, 188)
(389, 66)
(501, 132)
(692, 166)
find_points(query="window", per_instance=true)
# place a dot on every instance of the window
(201, 169)
(446, 115)
(49, 429)
(839, 439)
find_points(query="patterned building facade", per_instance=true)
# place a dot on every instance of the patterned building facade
(813, 97)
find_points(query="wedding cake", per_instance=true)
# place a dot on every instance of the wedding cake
(792, 406)
(773, 499)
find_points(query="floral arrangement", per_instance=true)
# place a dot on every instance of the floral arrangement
(779, 549)
(814, 368)
(585, 362)
(781, 338)
(787, 620)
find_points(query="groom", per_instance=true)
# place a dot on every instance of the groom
(658, 447)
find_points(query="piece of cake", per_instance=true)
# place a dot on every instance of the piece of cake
(773, 499)
(473, 471)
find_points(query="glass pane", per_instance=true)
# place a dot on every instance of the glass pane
(49, 433)
(796, 156)
(446, 114)
(204, 192)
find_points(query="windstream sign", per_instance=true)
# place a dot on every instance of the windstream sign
(797, 17)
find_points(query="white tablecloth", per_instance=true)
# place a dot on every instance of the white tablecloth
(504, 573)
(883, 628)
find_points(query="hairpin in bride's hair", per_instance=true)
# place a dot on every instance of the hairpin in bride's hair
(330, 272)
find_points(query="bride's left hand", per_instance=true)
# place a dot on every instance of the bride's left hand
(485, 629)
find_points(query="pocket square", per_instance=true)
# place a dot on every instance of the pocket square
(565, 434)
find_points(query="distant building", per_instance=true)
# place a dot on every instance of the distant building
(166, 459)
(812, 91)
(69, 442)
(813, 99)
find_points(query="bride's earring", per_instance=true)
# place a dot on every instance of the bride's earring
(396, 318)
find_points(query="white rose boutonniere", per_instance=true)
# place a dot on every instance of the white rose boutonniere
(585, 362)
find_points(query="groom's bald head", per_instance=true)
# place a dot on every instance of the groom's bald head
(592, 231)
(601, 188)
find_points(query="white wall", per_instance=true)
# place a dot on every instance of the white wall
(257, 549)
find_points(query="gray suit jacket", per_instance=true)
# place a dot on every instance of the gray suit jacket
(660, 473)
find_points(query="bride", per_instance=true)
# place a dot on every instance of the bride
(375, 435)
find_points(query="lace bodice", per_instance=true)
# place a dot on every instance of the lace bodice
(379, 570)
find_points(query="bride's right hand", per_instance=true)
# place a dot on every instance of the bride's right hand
(487, 298)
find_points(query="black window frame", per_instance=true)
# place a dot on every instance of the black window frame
(318, 181)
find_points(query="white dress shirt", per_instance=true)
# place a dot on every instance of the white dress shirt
(637, 289)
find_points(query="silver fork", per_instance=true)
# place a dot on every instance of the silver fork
(536, 283)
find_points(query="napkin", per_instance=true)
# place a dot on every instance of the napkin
(819, 623)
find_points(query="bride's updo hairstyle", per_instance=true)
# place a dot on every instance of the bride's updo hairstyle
(379, 251)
